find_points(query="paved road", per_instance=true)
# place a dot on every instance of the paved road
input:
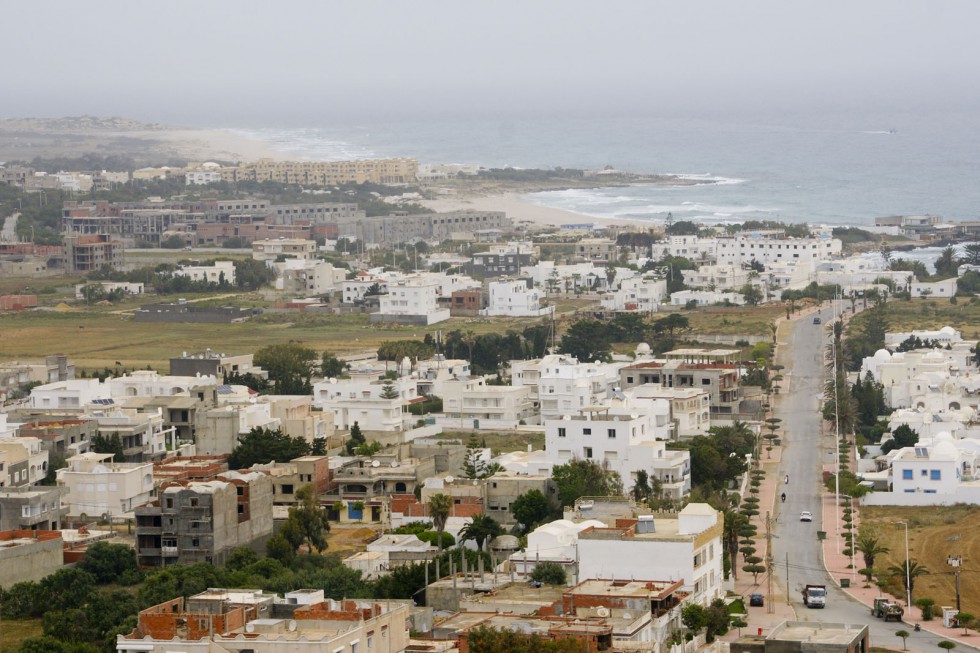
(801, 353)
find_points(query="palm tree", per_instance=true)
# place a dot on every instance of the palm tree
(481, 529)
(870, 547)
(439, 507)
(469, 339)
(909, 571)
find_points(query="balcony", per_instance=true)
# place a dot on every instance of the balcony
(170, 551)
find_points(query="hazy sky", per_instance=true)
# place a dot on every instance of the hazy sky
(298, 62)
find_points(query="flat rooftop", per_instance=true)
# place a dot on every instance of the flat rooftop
(622, 588)
(812, 633)
(520, 593)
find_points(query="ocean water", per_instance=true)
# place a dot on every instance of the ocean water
(820, 168)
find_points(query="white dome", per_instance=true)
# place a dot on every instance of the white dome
(943, 436)
(882, 355)
(934, 356)
(642, 349)
(943, 451)
(948, 330)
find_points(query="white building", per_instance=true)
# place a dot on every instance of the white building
(944, 289)
(109, 286)
(690, 408)
(716, 277)
(412, 301)
(640, 294)
(626, 443)
(74, 393)
(25, 461)
(282, 248)
(686, 546)
(473, 400)
(97, 486)
(706, 298)
(306, 276)
(567, 278)
(690, 247)
(358, 399)
(563, 385)
(201, 177)
(767, 247)
(515, 298)
(220, 271)
(944, 336)
(355, 290)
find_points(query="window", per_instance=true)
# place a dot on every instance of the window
(287, 489)
(935, 475)
(586, 431)
(611, 433)
(924, 473)
(194, 502)
(240, 490)
(561, 432)
(629, 379)
(588, 452)
(907, 474)
(170, 503)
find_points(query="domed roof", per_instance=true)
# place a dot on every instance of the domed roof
(948, 330)
(943, 451)
(934, 356)
(943, 436)
(642, 349)
(882, 355)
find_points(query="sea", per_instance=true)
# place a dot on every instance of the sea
(840, 168)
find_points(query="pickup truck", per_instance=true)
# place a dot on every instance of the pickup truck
(814, 596)
(885, 607)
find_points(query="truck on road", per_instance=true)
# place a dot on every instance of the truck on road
(814, 596)
(884, 607)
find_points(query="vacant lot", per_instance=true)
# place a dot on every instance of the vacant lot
(934, 534)
(935, 313)
(97, 338)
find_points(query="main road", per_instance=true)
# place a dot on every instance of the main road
(795, 547)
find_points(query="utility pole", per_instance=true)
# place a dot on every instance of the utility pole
(787, 578)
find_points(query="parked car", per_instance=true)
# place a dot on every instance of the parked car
(806, 516)
(756, 600)
(816, 320)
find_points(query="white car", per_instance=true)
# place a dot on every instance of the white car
(806, 516)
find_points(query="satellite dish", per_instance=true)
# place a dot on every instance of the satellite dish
(291, 625)
(249, 628)
(375, 463)
(450, 479)
(602, 611)
(394, 463)
(627, 615)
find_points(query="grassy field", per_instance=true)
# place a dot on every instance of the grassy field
(13, 632)
(97, 338)
(935, 313)
(934, 534)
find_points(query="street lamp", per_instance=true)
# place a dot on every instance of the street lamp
(908, 567)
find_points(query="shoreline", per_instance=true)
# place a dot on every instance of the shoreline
(518, 208)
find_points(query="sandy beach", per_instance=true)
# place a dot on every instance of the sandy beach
(209, 144)
(519, 208)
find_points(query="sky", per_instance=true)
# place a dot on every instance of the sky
(301, 61)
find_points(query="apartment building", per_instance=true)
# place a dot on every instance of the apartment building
(685, 546)
(32, 508)
(271, 250)
(367, 477)
(326, 173)
(26, 461)
(204, 521)
(638, 294)
(600, 250)
(716, 277)
(769, 247)
(471, 399)
(690, 408)
(308, 277)
(61, 436)
(625, 442)
(515, 298)
(716, 371)
(563, 384)
(289, 477)
(412, 300)
(97, 486)
(90, 253)
(502, 260)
